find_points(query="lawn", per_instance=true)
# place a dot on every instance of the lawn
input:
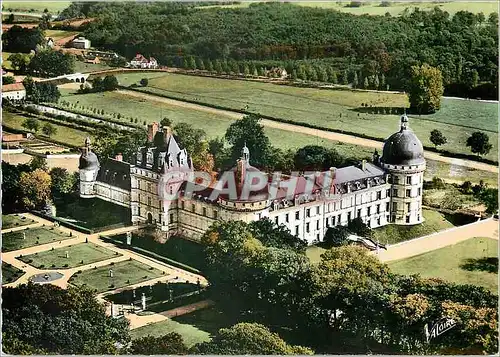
(474, 261)
(82, 67)
(92, 213)
(194, 328)
(449, 198)
(179, 249)
(434, 222)
(58, 34)
(35, 6)
(15, 220)
(10, 273)
(80, 254)
(34, 236)
(124, 273)
(63, 134)
(335, 109)
(216, 125)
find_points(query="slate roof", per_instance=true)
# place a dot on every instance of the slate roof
(115, 173)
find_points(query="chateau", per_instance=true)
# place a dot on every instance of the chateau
(386, 191)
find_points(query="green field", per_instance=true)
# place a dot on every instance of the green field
(57, 34)
(34, 236)
(124, 273)
(82, 67)
(474, 261)
(335, 109)
(38, 6)
(15, 220)
(80, 254)
(10, 273)
(64, 134)
(194, 328)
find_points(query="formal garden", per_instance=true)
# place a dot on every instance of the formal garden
(474, 261)
(30, 237)
(69, 257)
(115, 275)
(15, 220)
(176, 249)
(10, 273)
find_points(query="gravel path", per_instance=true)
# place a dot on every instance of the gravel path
(350, 139)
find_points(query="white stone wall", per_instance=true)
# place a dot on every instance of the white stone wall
(87, 183)
(14, 95)
(112, 194)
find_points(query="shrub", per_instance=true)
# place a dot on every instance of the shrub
(53, 265)
(41, 266)
(65, 265)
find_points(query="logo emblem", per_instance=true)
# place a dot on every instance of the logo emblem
(439, 327)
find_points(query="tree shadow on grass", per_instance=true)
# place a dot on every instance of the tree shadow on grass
(489, 264)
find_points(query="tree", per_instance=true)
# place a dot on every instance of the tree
(248, 131)
(355, 82)
(169, 344)
(63, 183)
(479, 143)
(345, 78)
(272, 236)
(210, 65)
(437, 138)
(249, 339)
(119, 61)
(336, 236)
(38, 162)
(19, 61)
(195, 143)
(44, 23)
(366, 85)
(59, 321)
(31, 124)
(425, 89)
(50, 63)
(200, 64)
(10, 19)
(144, 82)
(22, 39)
(110, 83)
(49, 129)
(165, 122)
(316, 158)
(359, 228)
(8, 80)
(35, 187)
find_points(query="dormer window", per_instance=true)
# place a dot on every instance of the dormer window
(161, 159)
(358, 185)
(149, 157)
(138, 157)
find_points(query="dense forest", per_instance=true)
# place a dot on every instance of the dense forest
(464, 46)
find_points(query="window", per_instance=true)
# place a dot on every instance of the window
(276, 220)
(408, 219)
(378, 208)
(307, 227)
(408, 180)
(359, 213)
(327, 223)
(171, 217)
(378, 221)
(394, 193)
(215, 214)
(149, 187)
(339, 219)
(182, 204)
(296, 230)
(317, 237)
(297, 215)
(138, 211)
(286, 218)
(396, 180)
(388, 193)
(317, 210)
(408, 193)
(204, 211)
(333, 221)
(317, 224)
(387, 206)
(379, 195)
(348, 216)
(159, 218)
(408, 206)
(394, 206)
(393, 218)
(368, 211)
(193, 207)
(139, 197)
(149, 201)
(419, 191)
(308, 212)
(418, 218)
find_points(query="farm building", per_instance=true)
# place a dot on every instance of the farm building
(15, 91)
(139, 61)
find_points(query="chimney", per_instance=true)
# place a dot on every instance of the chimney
(152, 130)
(119, 157)
(167, 133)
(363, 165)
(240, 174)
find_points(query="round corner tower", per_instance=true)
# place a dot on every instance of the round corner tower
(403, 159)
(88, 169)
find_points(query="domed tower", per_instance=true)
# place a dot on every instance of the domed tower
(89, 167)
(403, 159)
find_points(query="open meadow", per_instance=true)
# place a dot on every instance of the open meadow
(338, 109)
(474, 261)
(35, 6)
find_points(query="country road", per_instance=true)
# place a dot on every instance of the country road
(349, 139)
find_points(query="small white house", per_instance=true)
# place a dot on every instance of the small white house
(15, 91)
(81, 42)
(139, 61)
